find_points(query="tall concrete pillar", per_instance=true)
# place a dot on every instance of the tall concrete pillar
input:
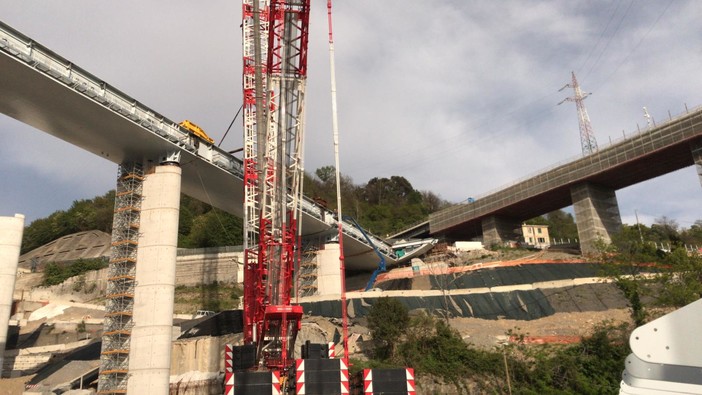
(596, 215)
(328, 270)
(498, 230)
(697, 157)
(11, 229)
(150, 349)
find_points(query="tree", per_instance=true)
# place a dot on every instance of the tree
(433, 202)
(693, 235)
(562, 225)
(327, 174)
(215, 228)
(388, 319)
(665, 230)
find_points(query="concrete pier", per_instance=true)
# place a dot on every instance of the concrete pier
(150, 350)
(328, 272)
(11, 229)
(596, 215)
(498, 230)
(697, 157)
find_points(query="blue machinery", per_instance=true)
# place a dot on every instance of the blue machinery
(381, 264)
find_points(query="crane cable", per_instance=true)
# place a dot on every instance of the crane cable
(230, 125)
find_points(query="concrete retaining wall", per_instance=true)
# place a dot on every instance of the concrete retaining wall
(203, 266)
(30, 359)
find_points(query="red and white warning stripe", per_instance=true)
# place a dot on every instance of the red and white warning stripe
(367, 381)
(300, 377)
(228, 358)
(410, 382)
(344, 372)
(228, 383)
(275, 378)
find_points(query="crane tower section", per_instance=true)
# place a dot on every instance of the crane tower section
(254, 39)
(273, 128)
(587, 137)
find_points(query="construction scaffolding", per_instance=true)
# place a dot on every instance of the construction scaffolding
(307, 278)
(114, 357)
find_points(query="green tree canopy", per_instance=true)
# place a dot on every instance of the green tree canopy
(387, 320)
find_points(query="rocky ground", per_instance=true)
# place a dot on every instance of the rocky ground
(491, 333)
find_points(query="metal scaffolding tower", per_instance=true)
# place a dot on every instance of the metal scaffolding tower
(114, 359)
(307, 275)
(587, 137)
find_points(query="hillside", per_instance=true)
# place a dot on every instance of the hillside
(381, 205)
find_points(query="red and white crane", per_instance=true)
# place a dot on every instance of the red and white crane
(275, 36)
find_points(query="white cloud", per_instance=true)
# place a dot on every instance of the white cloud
(452, 95)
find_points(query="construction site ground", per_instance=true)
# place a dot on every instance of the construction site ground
(59, 322)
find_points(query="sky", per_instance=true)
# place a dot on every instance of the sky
(459, 97)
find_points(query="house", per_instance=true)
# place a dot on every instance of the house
(536, 235)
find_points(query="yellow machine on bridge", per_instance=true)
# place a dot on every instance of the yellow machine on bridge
(196, 130)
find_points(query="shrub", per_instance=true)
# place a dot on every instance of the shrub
(55, 273)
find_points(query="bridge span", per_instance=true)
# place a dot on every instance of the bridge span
(588, 183)
(42, 89)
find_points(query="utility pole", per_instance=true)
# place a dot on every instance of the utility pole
(637, 223)
(587, 137)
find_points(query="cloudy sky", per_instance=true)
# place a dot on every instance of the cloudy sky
(457, 96)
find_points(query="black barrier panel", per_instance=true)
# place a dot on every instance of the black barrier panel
(389, 381)
(483, 306)
(538, 303)
(610, 295)
(323, 388)
(322, 376)
(470, 280)
(243, 357)
(398, 374)
(490, 278)
(253, 389)
(311, 350)
(522, 305)
(524, 274)
(593, 303)
(318, 365)
(253, 383)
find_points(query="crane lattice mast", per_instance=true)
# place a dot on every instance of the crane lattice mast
(254, 43)
(587, 137)
(273, 131)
